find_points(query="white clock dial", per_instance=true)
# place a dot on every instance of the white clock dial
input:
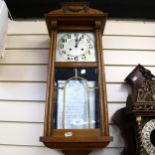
(148, 132)
(75, 46)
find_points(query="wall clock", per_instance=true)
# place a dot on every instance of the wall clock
(76, 117)
(141, 112)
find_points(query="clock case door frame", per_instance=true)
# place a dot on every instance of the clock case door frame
(89, 138)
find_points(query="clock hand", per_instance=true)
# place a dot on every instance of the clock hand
(77, 41)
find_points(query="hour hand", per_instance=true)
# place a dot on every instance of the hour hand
(77, 41)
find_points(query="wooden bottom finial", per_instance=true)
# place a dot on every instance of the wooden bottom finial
(76, 152)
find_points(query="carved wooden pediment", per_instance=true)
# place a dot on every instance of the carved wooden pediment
(142, 96)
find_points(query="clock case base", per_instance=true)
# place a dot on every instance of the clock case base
(80, 147)
(73, 144)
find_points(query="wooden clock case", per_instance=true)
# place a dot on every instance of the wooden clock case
(76, 17)
(140, 108)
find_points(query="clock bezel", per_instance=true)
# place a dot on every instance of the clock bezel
(90, 34)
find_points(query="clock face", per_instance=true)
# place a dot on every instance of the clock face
(148, 137)
(75, 46)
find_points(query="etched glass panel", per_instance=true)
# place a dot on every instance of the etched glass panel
(77, 100)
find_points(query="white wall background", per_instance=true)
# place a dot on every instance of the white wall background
(23, 73)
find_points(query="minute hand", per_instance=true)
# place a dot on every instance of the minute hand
(77, 42)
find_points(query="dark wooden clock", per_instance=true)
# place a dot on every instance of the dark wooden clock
(76, 117)
(141, 112)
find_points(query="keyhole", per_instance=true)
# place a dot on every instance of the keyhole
(152, 137)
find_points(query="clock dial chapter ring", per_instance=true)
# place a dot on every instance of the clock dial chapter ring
(76, 46)
(148, 137)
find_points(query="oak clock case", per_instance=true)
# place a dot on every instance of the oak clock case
(141, 112)
(76, 115)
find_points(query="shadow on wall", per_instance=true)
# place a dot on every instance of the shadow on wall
(119, 119)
